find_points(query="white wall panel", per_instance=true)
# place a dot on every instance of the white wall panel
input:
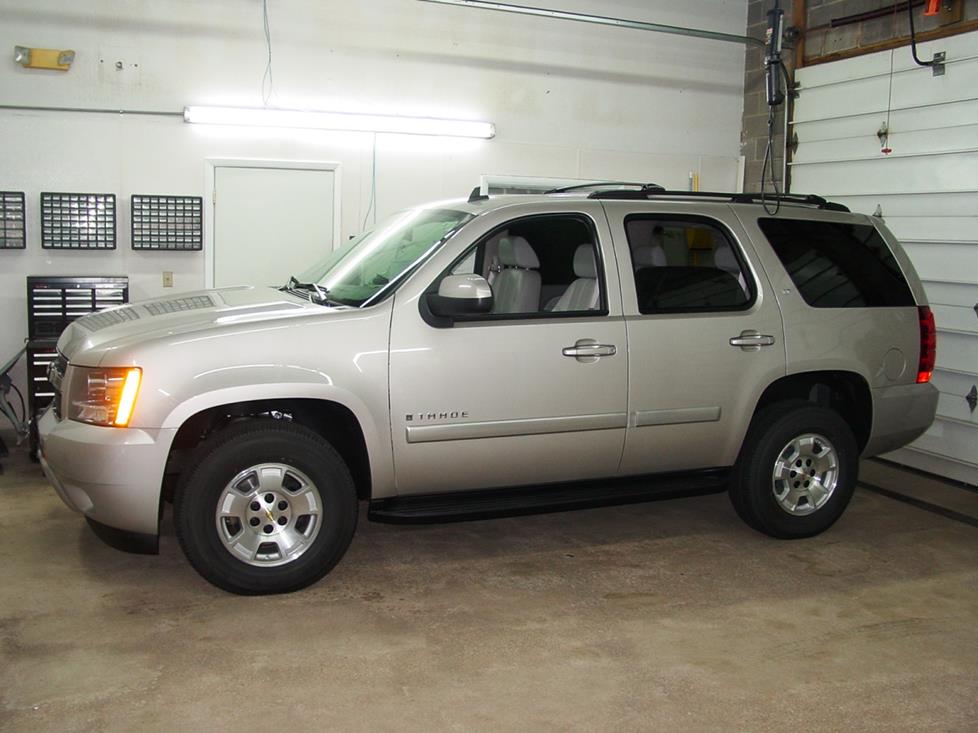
(927, 189)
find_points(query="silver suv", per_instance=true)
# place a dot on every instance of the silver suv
(499, 355)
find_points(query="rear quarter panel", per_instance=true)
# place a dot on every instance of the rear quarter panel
(880, 344)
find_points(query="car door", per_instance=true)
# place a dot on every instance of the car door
(704, 331)
(513, 398)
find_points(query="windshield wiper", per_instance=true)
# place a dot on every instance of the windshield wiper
(320, 295)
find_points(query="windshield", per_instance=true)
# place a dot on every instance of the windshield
(368, 263)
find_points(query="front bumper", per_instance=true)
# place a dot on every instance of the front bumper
(901, 414)
(113, 476)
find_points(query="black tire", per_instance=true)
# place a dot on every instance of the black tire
(236, 449)
(752, 488)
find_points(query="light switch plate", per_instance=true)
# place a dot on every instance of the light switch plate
(167, 279)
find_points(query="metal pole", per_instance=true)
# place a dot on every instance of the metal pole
(600, 20)
(90, 110)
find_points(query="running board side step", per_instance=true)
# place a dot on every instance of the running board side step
(510, 502)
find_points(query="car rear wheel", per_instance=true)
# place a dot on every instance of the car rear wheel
(797, 470)
(269, 508)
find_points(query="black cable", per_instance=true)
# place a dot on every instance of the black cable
(913, 38)
(774, 99)
(769, 161)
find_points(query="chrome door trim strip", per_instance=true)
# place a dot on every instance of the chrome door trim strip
(512, 428)
(676, 416)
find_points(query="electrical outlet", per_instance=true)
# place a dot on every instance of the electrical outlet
(167, 279)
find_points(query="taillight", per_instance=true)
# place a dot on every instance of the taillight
(928, 344)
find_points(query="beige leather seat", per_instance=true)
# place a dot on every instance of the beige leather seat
(582, 294)
(725, 259)
(652, 255)
(516, 288)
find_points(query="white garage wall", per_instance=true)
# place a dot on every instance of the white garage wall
(927, 189)
(568, 100)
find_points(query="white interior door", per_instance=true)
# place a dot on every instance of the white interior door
(270, 223)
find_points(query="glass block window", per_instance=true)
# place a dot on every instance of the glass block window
(167, 222)
(13, 229)
(78, 220)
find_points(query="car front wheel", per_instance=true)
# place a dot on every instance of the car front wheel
(269, 508)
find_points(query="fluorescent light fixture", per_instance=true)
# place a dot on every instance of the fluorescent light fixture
(257, 117)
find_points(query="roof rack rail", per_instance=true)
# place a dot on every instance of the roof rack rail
(600, 184)
(736, 198)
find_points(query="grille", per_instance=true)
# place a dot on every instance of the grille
(98, 321)
(162, 307)
(55, 377)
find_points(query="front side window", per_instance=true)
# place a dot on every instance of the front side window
(370, 263)
(539, 266)
(837, 265)
(685, 264)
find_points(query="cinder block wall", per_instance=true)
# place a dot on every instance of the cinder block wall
(822, 42)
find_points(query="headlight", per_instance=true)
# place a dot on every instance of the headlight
(103, 396)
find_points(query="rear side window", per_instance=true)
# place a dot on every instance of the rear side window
(686, 264)
(837, 265)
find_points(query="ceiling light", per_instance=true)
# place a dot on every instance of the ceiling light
(257, 117)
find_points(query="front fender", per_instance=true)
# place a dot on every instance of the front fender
(373, 418)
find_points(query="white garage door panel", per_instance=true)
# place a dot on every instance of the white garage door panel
(952, 439)
(919, 458)
(901, 121)
(962, 137)
(957, 48)
(952, 293)
(955, 318)
(928, 192)
(956, 351)
(934, 203)
(895, 174)
(956, 407)
(933, 229)
(954, 384)
(861, 96)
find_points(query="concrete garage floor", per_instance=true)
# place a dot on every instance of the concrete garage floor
(664, 616)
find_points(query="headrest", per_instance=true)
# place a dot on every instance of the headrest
(724, 259)
(584, 265)
(517, 252)
(650, 256)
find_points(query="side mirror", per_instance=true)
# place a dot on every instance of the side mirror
(461, 295)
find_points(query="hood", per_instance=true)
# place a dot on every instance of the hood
(128, 325)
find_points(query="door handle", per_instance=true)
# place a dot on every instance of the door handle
(589, 350)
(751, 340)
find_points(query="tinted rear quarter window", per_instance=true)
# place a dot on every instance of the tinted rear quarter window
(836, 265)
